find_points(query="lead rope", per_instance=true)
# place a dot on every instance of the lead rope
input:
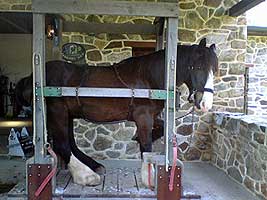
(174, 164)
(175, 148)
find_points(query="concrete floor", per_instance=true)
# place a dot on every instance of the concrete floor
(202, 179)
(213, 184)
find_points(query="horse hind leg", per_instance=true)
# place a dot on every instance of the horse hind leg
(85, 170)
(59, 127)
(82, 174)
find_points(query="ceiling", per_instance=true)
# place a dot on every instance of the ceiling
(16, 22)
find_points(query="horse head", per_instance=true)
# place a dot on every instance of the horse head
(202, 66)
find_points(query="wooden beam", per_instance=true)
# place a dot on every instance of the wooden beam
(138, 44)
(106, 7)
(38, 80)
(170, 85)
(84, 27)
(159, 22)
(242, 6)
(257, 31)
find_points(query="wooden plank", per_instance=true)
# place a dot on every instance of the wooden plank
(111, 181)
(170, 85)
(127, 183)
(84, 27)
(106, 7)
(138, 44)
(38, 80)
(63, 179)
(19, 189)
(242, 6)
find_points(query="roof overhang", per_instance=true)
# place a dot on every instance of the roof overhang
(242, 6)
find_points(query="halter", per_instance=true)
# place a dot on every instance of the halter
(193, 68)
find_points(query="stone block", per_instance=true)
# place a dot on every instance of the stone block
(193, 21)
(235, 174)
(193, 154)
(102, 143)
(124, 134)
(94, 55)
(249, 184)
(90, 134)
(113, 154)
(259, 137)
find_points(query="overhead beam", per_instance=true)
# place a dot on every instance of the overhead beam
(242, 6)
(257, 31)
(106, 7)
(84, 27)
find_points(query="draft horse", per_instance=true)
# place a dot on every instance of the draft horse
(195, 68)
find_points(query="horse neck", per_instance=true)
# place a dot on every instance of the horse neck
(183, 62)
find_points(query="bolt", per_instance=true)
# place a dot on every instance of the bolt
(30, 166)
(39, 166)
(30, 175)
(39, 175)
(178, 185)
(48, 167)
(160, 177)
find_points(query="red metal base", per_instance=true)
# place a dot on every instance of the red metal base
(36, 175)
(163, 192)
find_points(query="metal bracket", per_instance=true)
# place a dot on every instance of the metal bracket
(163, 191)
(50, 91)
(160, 94)
(36, 174)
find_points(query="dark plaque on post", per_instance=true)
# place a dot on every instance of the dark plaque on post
(73, 52)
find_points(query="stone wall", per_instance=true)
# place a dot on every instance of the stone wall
(257, 81)
(15, 5)
(240, 149)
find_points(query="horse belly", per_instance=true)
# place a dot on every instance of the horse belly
(105, 109)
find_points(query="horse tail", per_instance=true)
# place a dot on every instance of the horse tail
(23, 91)
(91, 163)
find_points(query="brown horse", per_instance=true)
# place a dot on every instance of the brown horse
(195, 67)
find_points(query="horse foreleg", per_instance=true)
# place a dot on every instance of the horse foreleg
(144, 123)
(158, 129)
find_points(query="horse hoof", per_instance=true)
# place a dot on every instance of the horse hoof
(82, 174)
(100, 170)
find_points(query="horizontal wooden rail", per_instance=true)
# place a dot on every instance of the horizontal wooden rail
(106, 7)
(103, 92)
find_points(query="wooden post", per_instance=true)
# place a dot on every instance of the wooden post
(38, 81)
(159, 22)
(170, 84)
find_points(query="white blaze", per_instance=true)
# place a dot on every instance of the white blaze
(81, 173)
(207, 99)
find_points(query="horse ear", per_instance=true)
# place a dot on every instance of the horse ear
(213, 47)
(202, 42)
